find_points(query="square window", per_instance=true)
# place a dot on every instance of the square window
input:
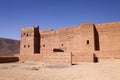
(28, 45)
(87, 41)
(43, 45)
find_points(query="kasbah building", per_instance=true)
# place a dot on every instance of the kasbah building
(66, 46)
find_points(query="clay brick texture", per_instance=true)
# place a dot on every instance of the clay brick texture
(32, 57)
(85, 42)
(57, 59)
(83, 57)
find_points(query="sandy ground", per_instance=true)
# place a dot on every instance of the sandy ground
(107, 70)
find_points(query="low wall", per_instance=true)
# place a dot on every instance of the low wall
(6, 59)
(57, 59)
(34, 57)
(82, 57)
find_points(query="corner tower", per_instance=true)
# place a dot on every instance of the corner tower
(30, 40)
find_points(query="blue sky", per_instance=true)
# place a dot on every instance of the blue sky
(54, 14)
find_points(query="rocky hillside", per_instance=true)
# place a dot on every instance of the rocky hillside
(9, 47)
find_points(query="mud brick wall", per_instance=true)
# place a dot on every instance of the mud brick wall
(80, 38)
(101, 39)
(6, 59)
(57, 59)
(34, 57)
(30, 41)
(108, 55)
(109, 37)
(82, 57)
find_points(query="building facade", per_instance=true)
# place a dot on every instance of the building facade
(84, 43)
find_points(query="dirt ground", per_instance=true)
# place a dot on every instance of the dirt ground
(107, 70)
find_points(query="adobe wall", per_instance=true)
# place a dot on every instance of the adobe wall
(83, 57)
(101, 39)
(108, 55)
(30, 45)
(63, 59)
(49, 40)
(30, 41)
(76, 39)
(83, 39)
(26, 41)
(109, 37)
(31, 57)
(6, 59)
(84, 42)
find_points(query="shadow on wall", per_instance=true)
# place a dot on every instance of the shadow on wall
(37, 41)
(95, 58)
(96, 38)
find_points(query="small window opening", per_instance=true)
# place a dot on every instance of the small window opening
(24, 46)
(28, 45)
(57, 50)
(87, 41)
(27, 34)
(43, 45)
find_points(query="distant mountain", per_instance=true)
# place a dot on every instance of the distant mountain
(9, 47)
